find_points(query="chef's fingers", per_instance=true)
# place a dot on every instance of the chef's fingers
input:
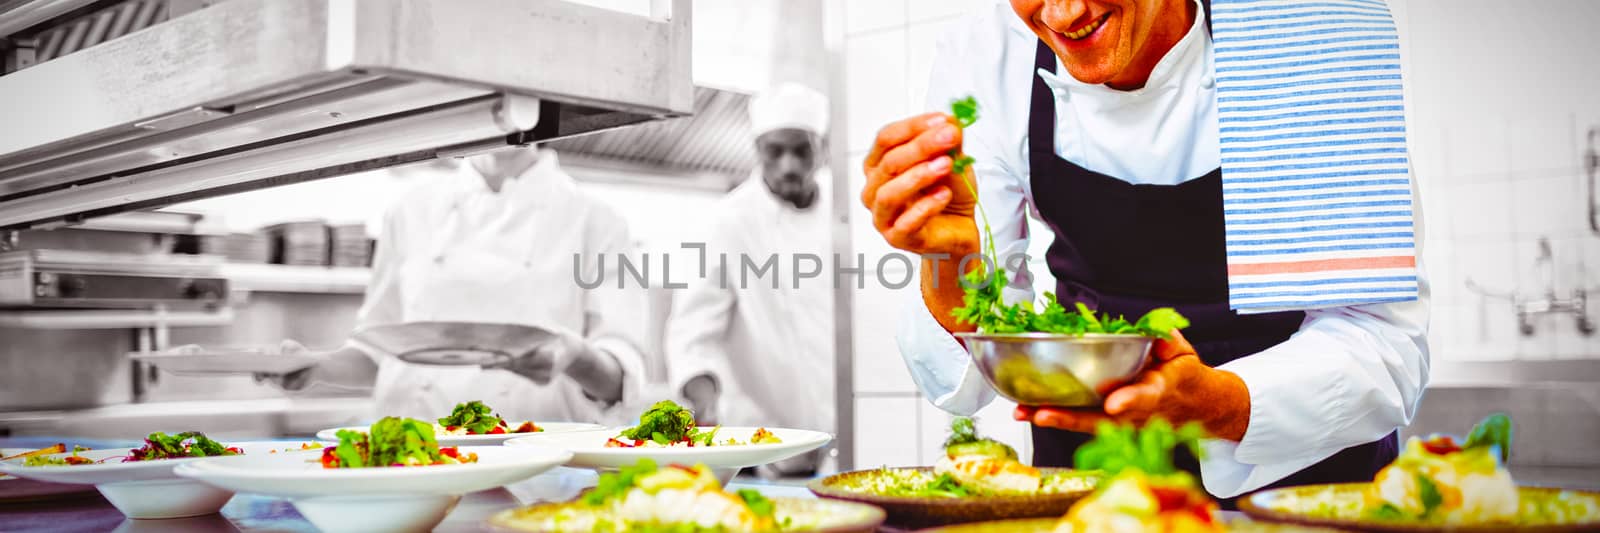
(906, 233)
(895, 160)
(903, 131)
(896, 196)
(1137, 401)
(1079, 420)
(933, 143)
(1171, 348)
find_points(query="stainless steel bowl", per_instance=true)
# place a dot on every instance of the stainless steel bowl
(1053, 369)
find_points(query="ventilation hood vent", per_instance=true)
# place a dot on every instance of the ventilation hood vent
(715, 140)
(248, 94)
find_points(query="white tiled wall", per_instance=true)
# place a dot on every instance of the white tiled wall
(1497, 122)
(888, 53)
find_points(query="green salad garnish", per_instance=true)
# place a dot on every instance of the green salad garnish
(476, 417)
(1121, 447)
(964, 440)
(615, 484)
(984, 307)
(667, 422)
(1495, 430)
(187, 444)
(390, 441)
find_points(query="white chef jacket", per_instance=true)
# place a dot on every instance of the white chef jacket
(770, 349)
(1349, 376)
(454, 250)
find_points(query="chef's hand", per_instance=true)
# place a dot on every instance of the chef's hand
(344, 368)
(291, 381)
(544, 362)
(702, 393)
(1179, 388)
(917, 204)
(596, 371)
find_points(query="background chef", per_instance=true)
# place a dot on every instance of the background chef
(1100, 117)
(740, 350)
(493, 241)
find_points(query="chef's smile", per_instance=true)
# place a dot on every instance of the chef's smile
(1084, 31)
(1108, 42)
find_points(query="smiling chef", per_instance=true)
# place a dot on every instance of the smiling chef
(1243, 161)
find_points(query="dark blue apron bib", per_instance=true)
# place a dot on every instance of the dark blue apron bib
(1178, 261)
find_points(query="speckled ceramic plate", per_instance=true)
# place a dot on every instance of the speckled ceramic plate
(1048, 525)
(1341, 506)
(911, 512)
(804, 514)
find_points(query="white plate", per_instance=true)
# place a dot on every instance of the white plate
(332, 434)
(374, 499)
(589, 448)
(229, 362)
(148, 489)
(298, 476)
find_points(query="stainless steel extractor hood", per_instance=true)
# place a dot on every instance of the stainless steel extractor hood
(247, 94)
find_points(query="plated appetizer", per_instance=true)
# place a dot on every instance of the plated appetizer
(45, 456)
(1144, 491)
(1437, 483)
(975, 479)
(392, 442)
(645, 497)
(475, 418)
(157, 446)
(476, 424)
(667, 424)
(141, 481)
(353, 497)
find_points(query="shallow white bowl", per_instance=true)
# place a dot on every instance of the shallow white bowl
(374, 499)
(332, 434)
(589, 448)
(149, 489)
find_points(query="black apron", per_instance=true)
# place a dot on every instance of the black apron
(1178, 261)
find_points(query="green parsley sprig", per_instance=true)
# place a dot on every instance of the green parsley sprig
(983, 305)
(1121, 447)
(476, 417)
(1494, 430)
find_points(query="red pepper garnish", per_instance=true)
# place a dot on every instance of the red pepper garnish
(329, 460)
(614, 443)
(527, 427)
(1169, 499)
(498, 430)
(451, 452)
(1441, 445)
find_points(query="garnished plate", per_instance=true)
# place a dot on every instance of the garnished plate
(1048, 525)
(1342, 506)
(801, 514)
(495, 439)
(1064, 488)
(589, 449)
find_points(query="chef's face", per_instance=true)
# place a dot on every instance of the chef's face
(1112, 42)
(788, 160)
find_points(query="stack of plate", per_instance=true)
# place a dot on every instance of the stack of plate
(238, 247)
(299, 243)
(349, 245)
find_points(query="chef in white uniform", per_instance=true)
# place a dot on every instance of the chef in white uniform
(1088, 108)
(495, 241)
(741, 351)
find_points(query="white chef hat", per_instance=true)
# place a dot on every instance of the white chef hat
(789, 105)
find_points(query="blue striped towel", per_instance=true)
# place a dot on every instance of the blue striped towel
(1316, 183)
